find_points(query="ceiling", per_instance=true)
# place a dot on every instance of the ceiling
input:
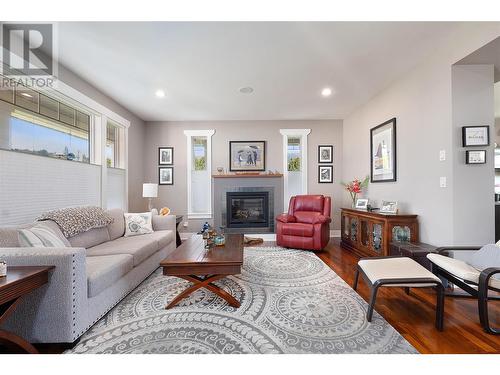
(202, 65)
(487, 54)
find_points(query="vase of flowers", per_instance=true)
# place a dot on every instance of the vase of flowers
(355, 187)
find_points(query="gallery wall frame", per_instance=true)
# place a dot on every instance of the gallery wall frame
(383, 157)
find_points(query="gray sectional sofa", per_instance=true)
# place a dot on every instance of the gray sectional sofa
(92, 274)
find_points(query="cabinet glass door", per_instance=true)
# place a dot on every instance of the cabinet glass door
(354, 229)
(345, 220)
(364, 233)
(377, 240)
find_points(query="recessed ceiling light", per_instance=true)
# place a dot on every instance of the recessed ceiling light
(26, 95)
(246, 90)
(160, 93)
(326, 92)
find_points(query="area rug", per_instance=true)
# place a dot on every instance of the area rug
(291, 302)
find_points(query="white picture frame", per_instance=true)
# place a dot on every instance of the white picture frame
(361, 204)
(389, 207)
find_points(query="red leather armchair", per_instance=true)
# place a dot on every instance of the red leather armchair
(307, 223)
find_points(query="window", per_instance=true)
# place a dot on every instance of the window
(199, 169)
(35, 123)
(295, 162)
(293, 154)
(112, 155)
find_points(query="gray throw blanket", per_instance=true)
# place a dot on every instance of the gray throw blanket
(76, 220)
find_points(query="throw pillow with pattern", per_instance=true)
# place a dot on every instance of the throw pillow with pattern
(138, 223)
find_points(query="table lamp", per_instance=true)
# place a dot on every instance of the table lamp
(150, 191)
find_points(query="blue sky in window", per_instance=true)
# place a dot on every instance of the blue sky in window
(28, 136)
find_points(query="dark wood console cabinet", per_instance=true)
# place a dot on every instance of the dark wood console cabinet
(370, 233)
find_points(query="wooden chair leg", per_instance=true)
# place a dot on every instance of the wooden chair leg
(373, 296)
(356, 277)
(407, 290)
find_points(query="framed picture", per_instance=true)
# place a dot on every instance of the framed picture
(361, 203)
(383, 152)
(247, 155)
(389, 207)
(325, 174)
(166, 155)
(475, 157)
(325, 154)
(475, 136)
(166, 175)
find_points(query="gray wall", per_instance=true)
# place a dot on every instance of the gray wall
(172, 134)
(136, 134)
(422, 103)
(473, 202)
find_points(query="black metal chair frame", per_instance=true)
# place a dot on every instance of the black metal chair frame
(481, 293)
(383, 282)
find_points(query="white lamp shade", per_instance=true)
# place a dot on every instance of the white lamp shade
(149, 190)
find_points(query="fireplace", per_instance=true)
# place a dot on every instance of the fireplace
(247, 209)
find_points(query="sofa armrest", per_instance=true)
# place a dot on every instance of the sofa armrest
(164, 222)
(286, 218)
(321, 219)
(53, 312)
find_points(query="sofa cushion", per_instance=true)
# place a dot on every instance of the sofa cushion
(117, 228)
(298, 229)
(91, 238)
(140, 247)
(104, 271)
(41, 235)
(163, 237)
(309, 217)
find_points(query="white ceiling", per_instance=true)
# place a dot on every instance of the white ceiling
(202, 65)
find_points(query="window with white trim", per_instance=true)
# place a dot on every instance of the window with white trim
(294, 162)
(199, 173)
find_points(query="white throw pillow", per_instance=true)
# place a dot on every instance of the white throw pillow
(39, 235)
(138, 223)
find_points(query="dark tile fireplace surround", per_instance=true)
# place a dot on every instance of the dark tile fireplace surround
(247, 205)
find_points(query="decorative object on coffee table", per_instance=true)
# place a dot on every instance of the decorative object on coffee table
(252, 240)
(192, 262)
(354, 188)
(475, 136)
(3, 268)
(383, 152)
(325, 154)
(150, 191)
(247, 156)
(166, 155)
(20, 281)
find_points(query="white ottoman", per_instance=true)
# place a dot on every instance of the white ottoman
(398, 272)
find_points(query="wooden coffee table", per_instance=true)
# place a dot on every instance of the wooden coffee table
(20, 280)
(193, 263)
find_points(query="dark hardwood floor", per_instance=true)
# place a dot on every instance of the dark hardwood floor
(411, 315)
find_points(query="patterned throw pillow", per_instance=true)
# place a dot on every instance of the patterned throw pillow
(39, 236)
(136, 224)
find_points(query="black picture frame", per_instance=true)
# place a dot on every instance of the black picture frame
(468, 154)
(159, 176)
(392, 124)
(330, 160)
(464, 136)
(330, 181)
(171, 149)
(247, 143)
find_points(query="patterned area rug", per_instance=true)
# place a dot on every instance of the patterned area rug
(291, 302)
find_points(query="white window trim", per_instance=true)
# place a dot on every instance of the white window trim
(189, 135)
(302, 133)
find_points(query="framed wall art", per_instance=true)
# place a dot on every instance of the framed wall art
(383, 152)
(166, 175)
(475, 157)
(165, 155)
(325, 154)
(247, 156)
(325, 174)
(475, 136)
